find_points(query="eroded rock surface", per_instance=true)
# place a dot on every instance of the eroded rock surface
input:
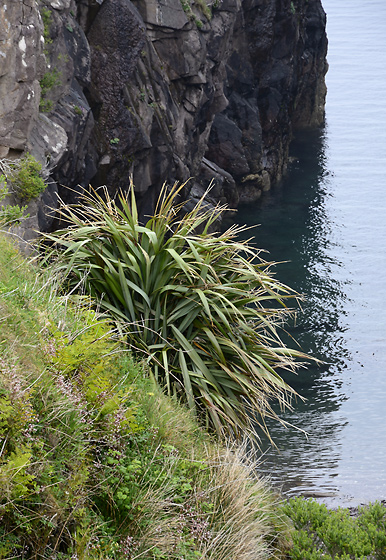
(21, 67)
(162, 90)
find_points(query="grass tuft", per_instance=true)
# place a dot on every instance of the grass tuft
(204, 309)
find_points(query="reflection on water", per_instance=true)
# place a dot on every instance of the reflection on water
(295, 227)
(329, 221)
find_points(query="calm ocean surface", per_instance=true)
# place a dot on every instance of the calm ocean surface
(329, 220)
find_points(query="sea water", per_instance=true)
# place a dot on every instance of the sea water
(328, 219)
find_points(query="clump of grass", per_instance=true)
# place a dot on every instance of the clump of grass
(203, 7)
(240, 518)
(203, 308)
(51, 79)
(322, 534)
(46, 16)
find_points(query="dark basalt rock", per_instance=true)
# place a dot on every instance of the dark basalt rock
(146, 89)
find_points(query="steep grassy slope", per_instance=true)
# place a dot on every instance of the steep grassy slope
(94, 461)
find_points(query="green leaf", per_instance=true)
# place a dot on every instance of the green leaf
(187, 380)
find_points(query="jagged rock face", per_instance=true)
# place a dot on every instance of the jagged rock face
(157, 104)
(230, 89)
(21, 67)
(160, 90)
(275, 81)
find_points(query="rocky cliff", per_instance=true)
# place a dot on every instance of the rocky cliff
(162, 90)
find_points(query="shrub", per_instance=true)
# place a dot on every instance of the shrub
(10, 214)
(322, 534)
(24, 177)
(203, 308)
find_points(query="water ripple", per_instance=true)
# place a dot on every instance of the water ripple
(328, 220)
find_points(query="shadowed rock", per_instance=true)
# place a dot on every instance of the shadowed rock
(161, 90)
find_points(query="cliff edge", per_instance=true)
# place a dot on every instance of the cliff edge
(163, 90)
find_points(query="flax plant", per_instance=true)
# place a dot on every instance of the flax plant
(202, 307)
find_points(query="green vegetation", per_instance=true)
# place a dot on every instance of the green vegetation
(52, 76)
(46, 15)
(23, 177)
(322, 534)
(26, 180)
(95, 462)
(50, 79)
(10, 214)
(203, 8)
(202, 308)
